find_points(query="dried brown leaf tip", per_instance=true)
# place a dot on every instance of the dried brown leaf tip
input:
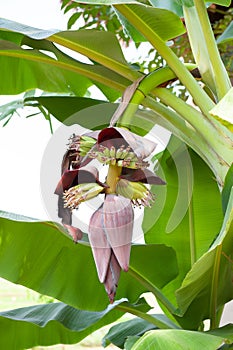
(126, 185)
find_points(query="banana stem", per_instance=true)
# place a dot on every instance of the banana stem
(147, 84)
(114, 172)
(199, 96)
(221, 146)
(173, 122)
(199, 47)
(221, 78)
(216, 147)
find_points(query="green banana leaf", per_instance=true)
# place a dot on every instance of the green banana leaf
(210, 279)
(24, 69)
(221, 2)
(64, 107)
(177, 339)
(130, 342)
(222, 110)
(165, 24)
(176, 6)
(19, 30)
(55, 323)
(190, 3)
(187, 214)
(227, 188)
(170, 219)
(171, 5)
(129, 29)
(100, 46)
(40, 256)
(38, 70)
(168, 5)
(119, 333)
(87, 112)
(227, 35)
(8, 110)
(104, 49)
(224, 332)
(199, 46)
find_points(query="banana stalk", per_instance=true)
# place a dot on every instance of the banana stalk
(211, 62)
(217, 139)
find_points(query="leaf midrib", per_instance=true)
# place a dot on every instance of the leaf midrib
(108, 62)
(77, 68)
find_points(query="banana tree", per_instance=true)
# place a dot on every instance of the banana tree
(186, 260)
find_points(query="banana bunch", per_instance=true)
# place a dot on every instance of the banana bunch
(81, 144)
(137, 192)
(123, 157)
(80, 193)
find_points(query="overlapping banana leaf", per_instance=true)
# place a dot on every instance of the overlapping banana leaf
(40, 256)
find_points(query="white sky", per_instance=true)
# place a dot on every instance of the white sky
(23, 141)
(42, 14)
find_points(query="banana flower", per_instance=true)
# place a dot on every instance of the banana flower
(126, 186)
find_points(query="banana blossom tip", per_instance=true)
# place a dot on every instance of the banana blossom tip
(126, 185)
(110, 235)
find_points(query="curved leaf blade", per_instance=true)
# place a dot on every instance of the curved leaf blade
(11, 36)
(204, 208)
(63, 107)
(177, 339)
(172, 6)
(150, 20)
(223, 332)
(221, 2)
(105, 43)
(198, 282)
(163, 22)
(222, 110)
(100, 46)
(190, 3)
(38, 70)
(130, 342)
(51, 324)
(32, 32)
(226, 35)
(199, 226)
(25, 246)
(9, 109)
(227, 188)
(119, 333)
(87, 112)
(199, 46)
(131, 31)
